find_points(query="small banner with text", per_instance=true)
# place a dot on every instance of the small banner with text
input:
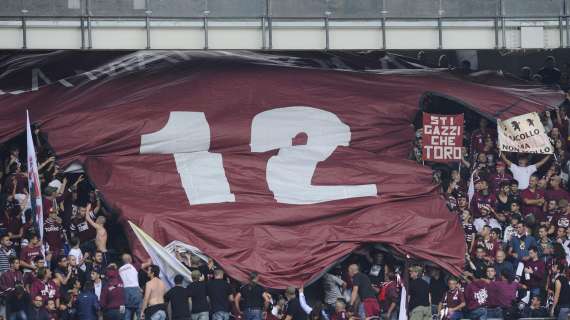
(523, 134)
(442, 139)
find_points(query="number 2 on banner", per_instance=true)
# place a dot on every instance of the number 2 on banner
(186, 135)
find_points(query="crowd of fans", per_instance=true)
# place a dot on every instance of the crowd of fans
(515, 214)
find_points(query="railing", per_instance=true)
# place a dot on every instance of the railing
(265, 13)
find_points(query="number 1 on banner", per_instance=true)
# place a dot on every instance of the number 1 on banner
(186, 135)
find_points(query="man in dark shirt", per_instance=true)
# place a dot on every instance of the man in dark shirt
(362, 288)
(200, 308)
(254, 299)
(293, 310)
(418, 297)
(437, 289)
(178, 297)
(220, 295)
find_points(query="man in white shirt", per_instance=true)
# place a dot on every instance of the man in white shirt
(523, 171)
(129, 274)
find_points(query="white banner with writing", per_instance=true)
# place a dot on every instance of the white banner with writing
(524, 134)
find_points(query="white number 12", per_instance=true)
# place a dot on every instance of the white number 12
(186, 135)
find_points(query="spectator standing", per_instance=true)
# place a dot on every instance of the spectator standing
(293, 310)
(521, 242)
(533, 200)
(17, 304)
(11, 278)
(534, 273)
(100, 231)
(500, 178)
(523, 171)
(29, 252)
(199, 295)
(437, 289)
(95, 277)
(333, 286)
(476, 299)
(418, 296)
(501, 265)
(153, 303)
(6, 251)
(87, 306)
(178, 297)
(561, 300)
(556, 192)
(81, 229)
(45, 287)
(453, 301)
(389, 297)
(220, 295)
(133, 293)
(254, 298)
(493, 305)
(38, 312)
(112, 298)
(362, 289)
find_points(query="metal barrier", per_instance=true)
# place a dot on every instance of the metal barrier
(266, 13)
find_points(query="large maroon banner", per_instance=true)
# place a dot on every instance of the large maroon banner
(263, 165)
(442, 138)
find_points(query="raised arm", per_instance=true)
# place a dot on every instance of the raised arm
(507, 161)
(542, 162)
(303, 302)
(89, 220)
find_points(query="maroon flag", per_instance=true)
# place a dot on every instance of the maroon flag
(263, 166)
(442, 138)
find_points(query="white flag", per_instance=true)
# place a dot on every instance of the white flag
(167, 262)
(523, 134)
(34, 187)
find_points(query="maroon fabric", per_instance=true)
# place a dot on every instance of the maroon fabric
(99, 121)
(112, 294)
(477, 294)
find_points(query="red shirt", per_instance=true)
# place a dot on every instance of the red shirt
(28, 253)
(537, 276)
(477, 294)
(48, 290)
(480, 200)
(496, 180)
(340, 316)
(453, 298)
(536, 210)
(557, 195)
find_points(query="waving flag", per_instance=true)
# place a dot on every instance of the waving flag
(34, 180)
(260, 164)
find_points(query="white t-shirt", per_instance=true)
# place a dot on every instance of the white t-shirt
(129, 275)
(522, 174)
